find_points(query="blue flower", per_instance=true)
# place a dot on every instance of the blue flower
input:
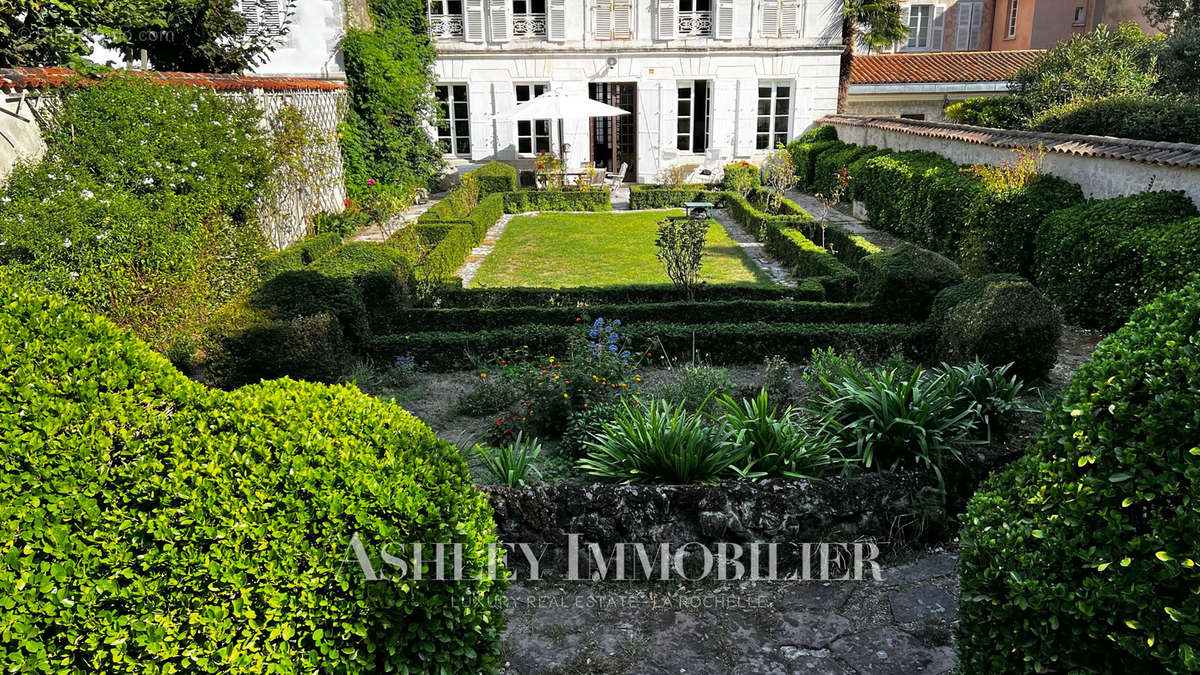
(613, 337)
(617, 323)
(612, 348)
(625, 354)
(599, 322)
(593, 333)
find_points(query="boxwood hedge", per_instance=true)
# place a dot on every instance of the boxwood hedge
(494, 178)
(902, 282)
(1103, 259)
(657, 197)
(1081, 557)
(151, 524)
(621, 295)
(523, 201)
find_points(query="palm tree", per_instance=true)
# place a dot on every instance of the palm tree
(875, 23)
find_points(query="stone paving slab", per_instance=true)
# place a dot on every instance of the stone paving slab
(754, 249)
(902, 625)
(854, 225)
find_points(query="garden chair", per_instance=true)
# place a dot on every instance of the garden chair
(617, 179)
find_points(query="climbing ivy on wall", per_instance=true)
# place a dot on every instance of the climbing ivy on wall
(389, 71)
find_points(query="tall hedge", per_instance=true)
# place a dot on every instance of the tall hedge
(151, 524)
(1082, 556)
(1153, 118)
(1001, 230)
(1103, 259)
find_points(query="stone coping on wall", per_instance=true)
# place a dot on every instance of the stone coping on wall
(1183, 155)
(33, 79)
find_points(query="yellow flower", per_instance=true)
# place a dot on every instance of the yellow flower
(483, 374)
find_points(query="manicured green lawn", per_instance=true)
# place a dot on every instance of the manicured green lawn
(563, 250)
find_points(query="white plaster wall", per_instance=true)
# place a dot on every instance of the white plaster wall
(1099, 178)
(20, 135)
(311, 46)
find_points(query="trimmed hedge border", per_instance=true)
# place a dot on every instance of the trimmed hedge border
(584, 201)
(771, 311)
(649, 197)
(720, 343)
(622, 295)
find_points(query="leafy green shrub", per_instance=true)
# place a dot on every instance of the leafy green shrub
(741, 178)
(494, 178)
(697, 388)
(1152, 118)
(1102, 259)
(775, 442)
(825, 170)
(144, 206)
(1001, 229)
(751, 214)
(902, 282)
(805, 156)
(991, 393)
(825, 132)
(1081, 556)
(998, 112)
(523, 201)
(583, 425)
(297, 256)
(381, 273)
(661, 443)
(894, 189)
(888, 418)
(510, 464)
(999, 320)
(237, 506)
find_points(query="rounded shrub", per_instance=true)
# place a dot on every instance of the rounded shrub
(902, 282)
(382, 273)
(1082, 556)
(152, 524)
(998, 319)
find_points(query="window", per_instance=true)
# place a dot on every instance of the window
(529, 18)
(1078, 16)
(695, 18)
(970, 18)
(780, 19)
(913, 116)
(919, 21)
(1012, 19)
(264, 18)
(774, 110)
(446, 18)
(529, 6)
(533, 137)
(694, 116)
(453, 120)
(613, 19)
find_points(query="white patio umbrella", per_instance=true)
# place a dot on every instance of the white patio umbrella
(559, 105)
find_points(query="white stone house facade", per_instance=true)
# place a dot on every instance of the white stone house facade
(706, 81)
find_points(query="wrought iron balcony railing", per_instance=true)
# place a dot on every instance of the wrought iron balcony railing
(695, 24)
(443, 26)
(529, 25)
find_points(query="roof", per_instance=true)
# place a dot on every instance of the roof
(1184, 155)
(906, 68)
(52, 78)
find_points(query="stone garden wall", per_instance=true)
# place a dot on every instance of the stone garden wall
(26, 103)
(1103, 166)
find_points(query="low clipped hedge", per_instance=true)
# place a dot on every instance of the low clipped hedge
(683, 312)
(1152, 118)
(299, 255)
(153, 524)
(457, 242)
(755, 220)
(1001, 230)
(495, 178)
(382, 274)
(1102, 259)
(903, 282)
(632, 294)
(593, 200)
(719, 343)
(808, 260)
(998, 319)
(643, 197)
(1081, 557)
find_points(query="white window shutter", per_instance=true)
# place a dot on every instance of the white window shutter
(668, 25)
(556, 21)
(724, 19)
(771, 11)
(962, 28)
(789, 19)
(976, 26)
(602, 16)
(473, 30)
(937, 38)
(499, 20)
(622, 20)
(272, 17)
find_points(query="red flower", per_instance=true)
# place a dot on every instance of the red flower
(370, 181)
(347, 202)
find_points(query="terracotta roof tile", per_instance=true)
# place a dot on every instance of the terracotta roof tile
(939, 67)
(50, 78)
(1162, 153)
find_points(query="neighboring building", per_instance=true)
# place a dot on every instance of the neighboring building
(920, 86)
(707, 81)
(1042, 24)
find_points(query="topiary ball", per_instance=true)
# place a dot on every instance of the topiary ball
(902, 282)
(1082, 557)
(999, 319)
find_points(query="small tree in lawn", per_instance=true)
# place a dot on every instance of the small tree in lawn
(779, 174)
(680, 245)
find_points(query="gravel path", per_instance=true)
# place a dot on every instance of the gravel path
(899, 625)
(754, 249)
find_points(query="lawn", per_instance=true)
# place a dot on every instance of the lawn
(563, 250)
